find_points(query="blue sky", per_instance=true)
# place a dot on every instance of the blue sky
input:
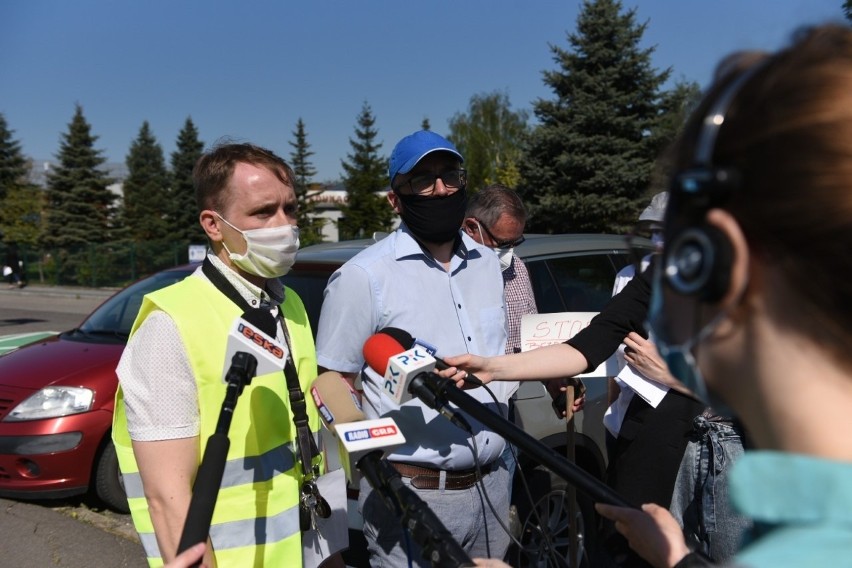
(250, 69)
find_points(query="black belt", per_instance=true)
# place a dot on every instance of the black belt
(430, 478)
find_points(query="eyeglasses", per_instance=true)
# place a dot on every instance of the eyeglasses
(425, 184)
(498, 243)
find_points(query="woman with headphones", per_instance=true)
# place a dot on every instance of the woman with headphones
(752, 306)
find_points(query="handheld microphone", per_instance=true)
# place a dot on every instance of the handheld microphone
(406, 340)
(401, 369)
(254, 332)
(387, 357)
(250, 352)
(365, 442)
(336, 400)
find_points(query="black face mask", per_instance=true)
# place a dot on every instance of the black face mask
(434, 219)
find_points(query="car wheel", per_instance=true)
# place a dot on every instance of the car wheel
(109, 485)
(545, 537)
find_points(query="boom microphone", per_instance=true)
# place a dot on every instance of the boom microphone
(385, 355)
(406, 340)
(433, 390)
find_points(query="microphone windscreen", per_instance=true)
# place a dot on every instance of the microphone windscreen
(378, 348)
(403, 337)
(262, 319)
(336, 400)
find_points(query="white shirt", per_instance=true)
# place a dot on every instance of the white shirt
(160, 391)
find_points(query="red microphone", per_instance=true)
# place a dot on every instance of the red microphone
(398, 366)
(378, 349)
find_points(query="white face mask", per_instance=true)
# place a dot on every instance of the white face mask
(503, 253)
(505, 256)
(270, 252)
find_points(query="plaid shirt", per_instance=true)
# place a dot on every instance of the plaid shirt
(519, 300)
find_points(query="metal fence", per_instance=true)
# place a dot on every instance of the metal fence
(114, 264)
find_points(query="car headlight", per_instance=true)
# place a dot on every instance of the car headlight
(53, 402)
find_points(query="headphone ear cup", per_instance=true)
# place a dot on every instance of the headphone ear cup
(698, 263)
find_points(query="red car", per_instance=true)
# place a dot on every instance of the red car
(56, 404)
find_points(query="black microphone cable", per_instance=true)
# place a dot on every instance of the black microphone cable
(519, 471)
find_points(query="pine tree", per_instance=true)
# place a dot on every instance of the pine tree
(183, 219)
(489, 136)
(79, 203)
(146, 191)
(310, 228)
(13, 165)
(366, 175)
(588, 164)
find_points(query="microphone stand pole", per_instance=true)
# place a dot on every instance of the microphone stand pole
(428, 385)
(205, 490)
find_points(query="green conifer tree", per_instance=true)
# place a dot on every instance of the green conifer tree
(79, 203)
(13, 165)
(310, 228)
(588, 163)
(146, 190)
(366, 175)
(183, 219)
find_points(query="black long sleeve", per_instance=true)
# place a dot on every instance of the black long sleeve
(625, 312)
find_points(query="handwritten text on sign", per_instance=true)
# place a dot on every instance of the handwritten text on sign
(538, 330)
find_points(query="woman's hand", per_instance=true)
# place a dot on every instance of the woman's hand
(643, 356)
(462, 365)
(652, 532)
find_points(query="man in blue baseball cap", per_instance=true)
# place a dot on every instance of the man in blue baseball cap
(445, 289)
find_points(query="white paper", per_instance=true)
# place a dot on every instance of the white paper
(651, 391)
(332, 534)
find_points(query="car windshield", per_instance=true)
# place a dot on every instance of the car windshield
(115, 316)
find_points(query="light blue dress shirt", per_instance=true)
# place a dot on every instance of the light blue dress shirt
(802, 508)
(395, 283)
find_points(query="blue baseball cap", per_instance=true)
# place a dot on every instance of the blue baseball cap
(414, 147)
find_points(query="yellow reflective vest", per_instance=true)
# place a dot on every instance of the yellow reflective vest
(256, 518)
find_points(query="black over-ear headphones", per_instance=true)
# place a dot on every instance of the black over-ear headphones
(697, 260)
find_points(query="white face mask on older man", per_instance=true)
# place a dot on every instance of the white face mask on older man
(504, 254)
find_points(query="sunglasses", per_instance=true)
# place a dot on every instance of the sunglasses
(497, 242)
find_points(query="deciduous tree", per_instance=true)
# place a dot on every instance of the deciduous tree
(489, 135)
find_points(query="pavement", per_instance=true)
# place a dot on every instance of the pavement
(36, 535)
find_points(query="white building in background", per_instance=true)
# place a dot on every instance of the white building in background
(328, 201)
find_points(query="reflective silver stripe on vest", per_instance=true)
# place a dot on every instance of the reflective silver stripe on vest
(249, 532)
(149, 543)
(236, 534)
(241, 471)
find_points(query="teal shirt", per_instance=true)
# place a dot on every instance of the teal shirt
(802, 508)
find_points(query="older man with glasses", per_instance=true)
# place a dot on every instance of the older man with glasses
(435, 282)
